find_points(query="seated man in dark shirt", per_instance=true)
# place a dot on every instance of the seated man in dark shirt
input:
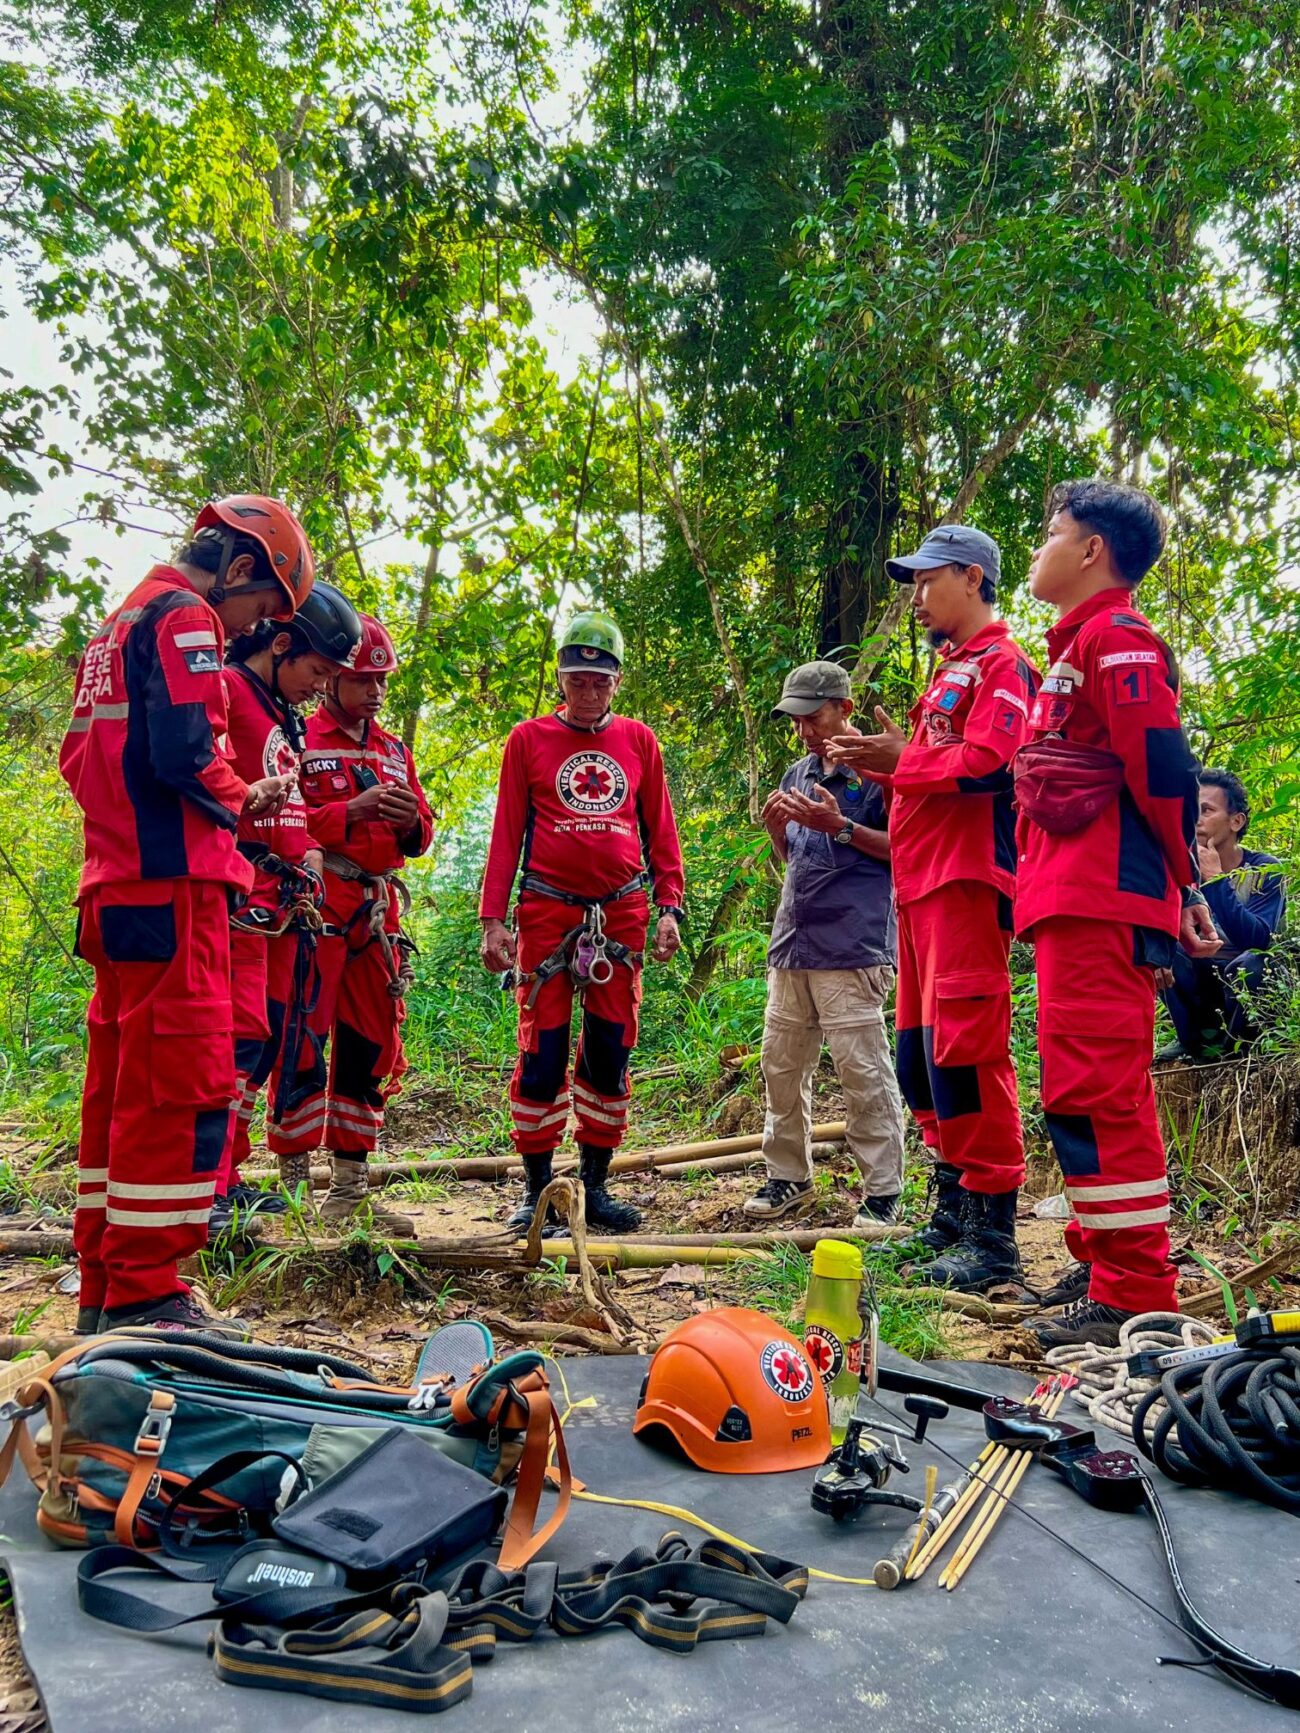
(1208, 999)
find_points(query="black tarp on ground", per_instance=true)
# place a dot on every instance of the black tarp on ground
(1034, 1639)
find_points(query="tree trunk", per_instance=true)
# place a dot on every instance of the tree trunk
(863, 493)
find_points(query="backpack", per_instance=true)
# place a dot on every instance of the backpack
(131, 1421)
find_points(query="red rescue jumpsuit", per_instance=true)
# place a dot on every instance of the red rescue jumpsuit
(577, 804)
(272, 972)
(355, 1012)
(144, 760)
(952, 841)
(1103, 905)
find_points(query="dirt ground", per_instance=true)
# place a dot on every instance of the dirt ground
(380, 1312)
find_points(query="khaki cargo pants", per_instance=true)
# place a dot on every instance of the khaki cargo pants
(845, 1008)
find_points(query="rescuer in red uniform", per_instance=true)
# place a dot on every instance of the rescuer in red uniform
(582, 793)
(368, 814)
(269, 673)
(1107, 791)
(145, 761)
(952, 837)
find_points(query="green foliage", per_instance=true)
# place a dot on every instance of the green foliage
(831, 272)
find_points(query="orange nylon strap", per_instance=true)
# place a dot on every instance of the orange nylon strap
(519, 1544)
(148, 1460)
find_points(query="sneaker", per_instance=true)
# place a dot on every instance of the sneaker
(1072, 1286)
(1174, 1053)
(876, 1215)
(252, 1197)
(1085, 1321)
(176, 1312)
(780, 1197)
(229, 1221)
(87, 1323)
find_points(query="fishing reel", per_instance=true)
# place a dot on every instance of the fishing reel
(857, 1471)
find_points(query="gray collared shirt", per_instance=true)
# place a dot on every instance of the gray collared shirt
(837, 905)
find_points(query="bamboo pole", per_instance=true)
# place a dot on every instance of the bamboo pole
(30, 1244)
(510, 1166)
(732, 1163)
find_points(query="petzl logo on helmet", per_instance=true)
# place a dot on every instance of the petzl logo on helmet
(786, 1371)
(592, 784)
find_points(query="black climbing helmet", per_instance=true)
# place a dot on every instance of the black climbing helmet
(329, 624)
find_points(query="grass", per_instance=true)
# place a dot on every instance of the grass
(776, 1283)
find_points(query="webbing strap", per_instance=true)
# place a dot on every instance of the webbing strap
(368, 1657)
(531, 882)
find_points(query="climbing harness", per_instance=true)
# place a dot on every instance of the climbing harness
(371, 919)
(587, 951)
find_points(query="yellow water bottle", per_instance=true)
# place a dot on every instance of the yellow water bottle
(832, 1329)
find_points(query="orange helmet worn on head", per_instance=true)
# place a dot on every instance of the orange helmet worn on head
(277, 531)
(738, 1394)
(375, 653)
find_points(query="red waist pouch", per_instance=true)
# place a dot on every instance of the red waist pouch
(1062, 785)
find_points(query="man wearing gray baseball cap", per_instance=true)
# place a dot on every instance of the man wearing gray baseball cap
(954, 860)
(830, 963)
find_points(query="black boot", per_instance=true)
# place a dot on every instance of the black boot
(537, 1169)
(986, 1253)
(944, 1227)
(603, 1208)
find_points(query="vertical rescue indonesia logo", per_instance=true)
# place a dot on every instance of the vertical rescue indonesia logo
(786, 1371)
(592, 784)
(825, 1350)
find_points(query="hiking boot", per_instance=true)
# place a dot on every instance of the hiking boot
(1072, 1286)
(252, 1198)
(876, 1215)
(603, 1209)
(537, 1169)
(780, 1197)
(229, 1221)
(295, 1180)
(985, 1256)
(1085, 1321)
(87, 1323)
(1174, 1053)
(943, 1229)
(349, 1202)
(176, 1312)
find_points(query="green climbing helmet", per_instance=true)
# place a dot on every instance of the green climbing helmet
(591, 641)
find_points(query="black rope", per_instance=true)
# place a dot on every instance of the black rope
(1233, 1423)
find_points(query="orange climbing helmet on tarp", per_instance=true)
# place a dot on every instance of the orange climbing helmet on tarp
(738, 1394)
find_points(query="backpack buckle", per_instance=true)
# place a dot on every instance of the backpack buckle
(156, 1425)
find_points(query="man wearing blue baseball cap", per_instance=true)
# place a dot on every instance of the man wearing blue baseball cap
(952, 838)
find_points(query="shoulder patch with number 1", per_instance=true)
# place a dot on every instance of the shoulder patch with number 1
(1130, 685)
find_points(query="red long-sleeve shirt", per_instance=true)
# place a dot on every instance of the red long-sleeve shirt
(950, 817)
(586, 809)
(258, 731)
(331, 761)
(144, 754)
(1114, 683)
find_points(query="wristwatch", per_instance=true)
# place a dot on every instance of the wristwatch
(845, 834)
(679, 915)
